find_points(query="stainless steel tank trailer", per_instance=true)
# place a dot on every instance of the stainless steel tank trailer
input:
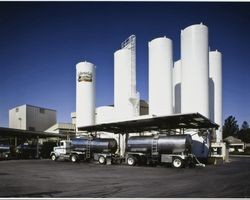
(82, 149)
(171, 149)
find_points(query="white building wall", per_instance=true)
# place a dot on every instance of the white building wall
(215, 87)
(105, 114)
(73, 117)
(17, 117)
(194, 64)
(177, 87)
(39, 119)
(160, 76)
(29, 117)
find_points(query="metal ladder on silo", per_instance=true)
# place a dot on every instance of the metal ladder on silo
(88, 148)
(154, 149)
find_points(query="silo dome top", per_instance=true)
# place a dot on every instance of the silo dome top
(195, 26)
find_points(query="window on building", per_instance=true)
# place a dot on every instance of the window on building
(17, 109)
(42, 110)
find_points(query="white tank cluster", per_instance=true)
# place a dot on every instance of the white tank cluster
(201, 76)
(189, 85)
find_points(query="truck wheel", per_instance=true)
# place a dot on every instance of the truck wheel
(131, 161)
(74, 158)
(177, 162)
(102, 160)
(53, 157)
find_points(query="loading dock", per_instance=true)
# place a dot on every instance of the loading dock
(14, 137)
(167, 125)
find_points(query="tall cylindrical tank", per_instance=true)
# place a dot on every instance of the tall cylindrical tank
(160, 76)
(215, 86)
(124, 90)
(97, 145)
(165, 144)
(194, 64)
(85, 94)
(177, 86)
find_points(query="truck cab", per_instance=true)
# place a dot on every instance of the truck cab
(63, 148)
(66, 151)
(97, 149)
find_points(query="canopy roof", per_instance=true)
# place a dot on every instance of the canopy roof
(176, 121)
(10, 132)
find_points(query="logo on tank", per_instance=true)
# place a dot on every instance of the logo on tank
(85, 76)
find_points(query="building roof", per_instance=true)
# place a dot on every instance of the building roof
(28, 105)
(61, 126)
(231, 140)
(149, 123)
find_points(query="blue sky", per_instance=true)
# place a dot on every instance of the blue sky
(41, 42)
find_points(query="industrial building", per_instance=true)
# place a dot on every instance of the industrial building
(67, 129)
(235, 144)
(192, 84)
(33, 118)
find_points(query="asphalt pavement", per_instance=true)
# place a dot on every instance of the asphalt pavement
(45, 178)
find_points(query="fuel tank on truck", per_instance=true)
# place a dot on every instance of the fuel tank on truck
(165, 144)
(97, 145)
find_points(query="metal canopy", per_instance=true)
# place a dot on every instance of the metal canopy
(177, 121)
(26, 134)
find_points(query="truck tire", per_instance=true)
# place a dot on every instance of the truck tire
(131, 161)
(74, 158)
(102, 160)
(53, 157)
(177, 162)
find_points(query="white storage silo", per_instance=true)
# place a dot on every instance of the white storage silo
(177, 86)
(125, 97)
(85, 94)
(160, 76)
(215, 86)
(194, 64)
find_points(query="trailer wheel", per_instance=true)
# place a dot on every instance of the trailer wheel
(131, 161)
(177, 162)
(74, 158)
(53, 157)
(102, 160)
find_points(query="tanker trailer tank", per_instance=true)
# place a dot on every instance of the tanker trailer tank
(175, 149)
(175, 144)
(96, 145)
